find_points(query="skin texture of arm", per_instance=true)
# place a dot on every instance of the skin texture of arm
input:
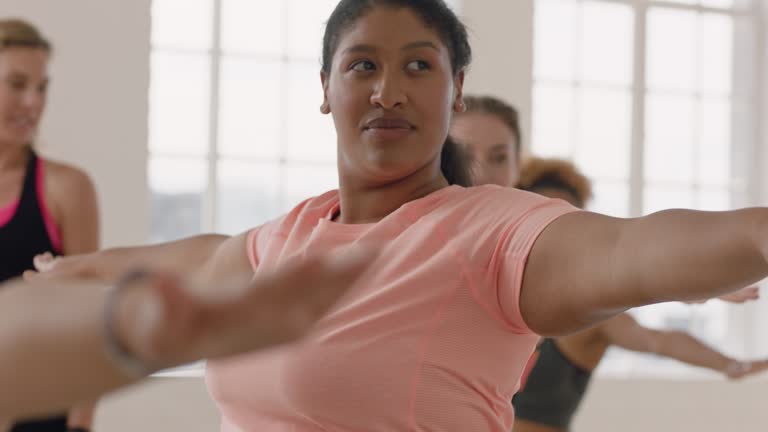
(606, 265)
(625, 332)
(162, 319)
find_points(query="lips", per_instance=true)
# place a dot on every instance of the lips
(388, 123)
(22, 122)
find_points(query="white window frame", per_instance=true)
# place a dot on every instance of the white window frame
(747, 156)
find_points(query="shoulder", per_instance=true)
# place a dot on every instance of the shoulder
(495, 203)
(62, 179)
(303, 216)
(496, 196)
(307, 212)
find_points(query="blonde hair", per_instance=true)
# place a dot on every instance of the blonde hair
(558, 174)
(15, 32)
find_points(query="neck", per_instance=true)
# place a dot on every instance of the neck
(369, 203)
(12, 156)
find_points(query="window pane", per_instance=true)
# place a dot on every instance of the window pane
(713, 199)
(669, 152)
(179, 103)
(302, 181)
(724, 4)
(709, 323)
(664, 197)
(671, 49)
(253, 26)
(554, 39)
(553, 128)
(604, 133)
(307, 20)
(311, 135)
(184, 24)
(610, 198)
(250, 108)
(177, 187)
(714, 151)
(247, 195)
(715, 53)
(668, 316)
(607, 37)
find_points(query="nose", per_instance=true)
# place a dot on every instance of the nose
(388, 92)
(33, 98)
(480, 173)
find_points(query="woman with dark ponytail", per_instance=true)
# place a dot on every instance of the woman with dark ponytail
(435, 335)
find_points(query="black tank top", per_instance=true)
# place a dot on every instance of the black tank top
(554, 388)
(23, 237)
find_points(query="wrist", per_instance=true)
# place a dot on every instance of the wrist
(130, 317)
(735, 368)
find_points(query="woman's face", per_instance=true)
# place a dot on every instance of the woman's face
(490, 147)
(23, 87)
(391, 91)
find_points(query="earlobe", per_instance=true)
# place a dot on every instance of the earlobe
(459, 106)
(325, 107)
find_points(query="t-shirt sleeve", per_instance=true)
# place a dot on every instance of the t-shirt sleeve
(251, 246)
(257, 241)
(513, 223)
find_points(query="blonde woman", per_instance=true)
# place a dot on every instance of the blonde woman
(44, 205)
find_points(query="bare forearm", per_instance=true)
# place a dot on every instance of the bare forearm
(182, 256)
(56, 344)
(687, 349)
(687, 255)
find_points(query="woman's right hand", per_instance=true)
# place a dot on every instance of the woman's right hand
(743, 295)
(70, 267)
(737, 369)
(166, 323)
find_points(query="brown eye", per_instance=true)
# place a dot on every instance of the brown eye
(417, 65)
(363, 66)
(18, 84)
(500, 159)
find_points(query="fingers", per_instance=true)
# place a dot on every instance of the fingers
(276, 307)
(742, 295)
(44, 262)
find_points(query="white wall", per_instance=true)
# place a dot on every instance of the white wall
(97, 115)
(501, 33)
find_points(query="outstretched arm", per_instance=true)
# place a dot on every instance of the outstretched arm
(160, 319)
(108, 265)
(625, 332)
(606, 265)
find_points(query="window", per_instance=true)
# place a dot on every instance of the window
(236, 136)
(642, 95)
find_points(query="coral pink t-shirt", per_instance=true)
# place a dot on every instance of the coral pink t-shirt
(431, 339)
